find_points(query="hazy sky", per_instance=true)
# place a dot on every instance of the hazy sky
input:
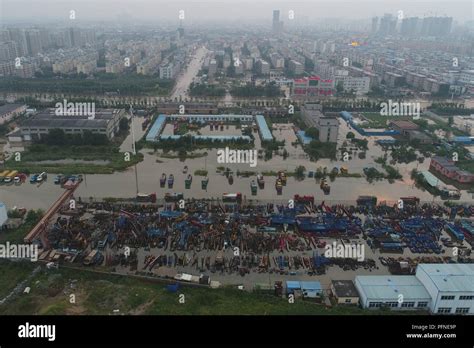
(231, 10)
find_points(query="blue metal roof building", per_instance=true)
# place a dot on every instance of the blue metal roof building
(156, 128)
(154, 133)
(311, 289)
(215, 118)
(209, 137)
(265, 132)
(292, 285)
(464, 140)
(346, 115)
(305, 140)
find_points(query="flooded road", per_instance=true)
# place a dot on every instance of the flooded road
(344, 190)
(185, 78)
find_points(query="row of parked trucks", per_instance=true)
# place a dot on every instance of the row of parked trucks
(12, 176)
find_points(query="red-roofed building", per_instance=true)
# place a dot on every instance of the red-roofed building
(448, 168)
(313, 86)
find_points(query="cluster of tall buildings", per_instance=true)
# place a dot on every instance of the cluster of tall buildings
(18, 42)
(411, 26)
(22, 51)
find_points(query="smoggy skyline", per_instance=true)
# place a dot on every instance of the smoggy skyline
(260, 11)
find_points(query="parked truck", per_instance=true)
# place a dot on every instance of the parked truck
(148, 198)
(370, 201)
(10, 177)
(3, 175)
(232, 197)
(20, 178)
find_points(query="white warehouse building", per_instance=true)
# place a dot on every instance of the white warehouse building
(451, 287)
(394, 291)
(440, 288)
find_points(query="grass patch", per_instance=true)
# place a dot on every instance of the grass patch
(375, 120)
(12, 273)
(187, 155)
(101, 294)
(349, 175)
(200, 172)
(31, 160)
(16, 235)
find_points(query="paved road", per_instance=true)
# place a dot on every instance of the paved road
(186, 77)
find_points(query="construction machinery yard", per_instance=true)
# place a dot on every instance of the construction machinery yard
(234, 242)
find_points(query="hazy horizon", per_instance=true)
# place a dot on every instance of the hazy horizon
(146, 11)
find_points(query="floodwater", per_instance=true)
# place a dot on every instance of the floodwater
(184, 80)
(123, 185)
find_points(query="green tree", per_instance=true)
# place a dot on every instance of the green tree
(123, 124)
(299, 172)
(312, 132)
(350, 135)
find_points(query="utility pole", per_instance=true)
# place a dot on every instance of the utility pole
(134, 150)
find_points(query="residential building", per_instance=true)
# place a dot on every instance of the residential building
(388, 25)
(33, 42)
(467, 76)
(311, 113)
(313, 86)
(296, 67)
(212, 67)
(277, 25)
(263, 67)
(360, 85)
(278, 61)
(328, 129)
(168, 71)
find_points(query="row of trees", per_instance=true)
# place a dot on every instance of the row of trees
(127, 84)
(202, 90)
(250, 91)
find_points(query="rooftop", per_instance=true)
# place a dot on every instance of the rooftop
(303, 137)
(406, 125)
(389, 287)
(310, 285)
(345, 288)
(63, 123)
(5, 109)
(155, 129)
(262, 125)
(450, 277)
(430, 178)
